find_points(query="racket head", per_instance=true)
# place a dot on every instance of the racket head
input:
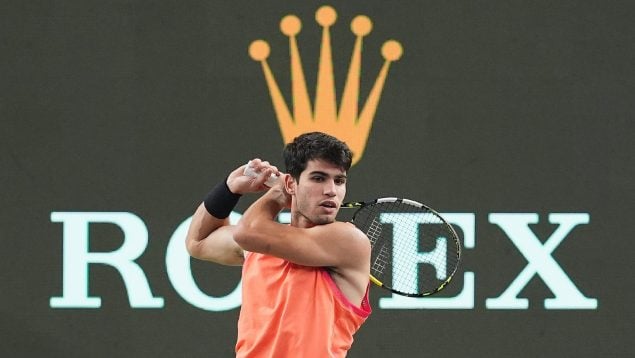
(415, 251)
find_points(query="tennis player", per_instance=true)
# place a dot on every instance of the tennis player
(305, 285)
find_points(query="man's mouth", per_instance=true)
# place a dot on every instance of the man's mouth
(329, 204)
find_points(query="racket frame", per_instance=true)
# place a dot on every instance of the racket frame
(359, 205)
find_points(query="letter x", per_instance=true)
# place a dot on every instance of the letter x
(540, 261)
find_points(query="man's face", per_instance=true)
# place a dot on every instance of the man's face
(319, 193)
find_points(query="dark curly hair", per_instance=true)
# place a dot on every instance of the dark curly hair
(315, 145)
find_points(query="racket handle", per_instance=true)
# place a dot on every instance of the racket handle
(250, 172)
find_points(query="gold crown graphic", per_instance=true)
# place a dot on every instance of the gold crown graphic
(348, 124)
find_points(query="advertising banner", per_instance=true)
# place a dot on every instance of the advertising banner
(512, 119)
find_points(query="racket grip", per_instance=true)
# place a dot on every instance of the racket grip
(250, 172)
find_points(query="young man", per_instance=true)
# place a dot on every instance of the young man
(305, 285)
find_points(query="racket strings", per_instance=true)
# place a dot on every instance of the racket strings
(374, 231)
(381, 261)
(413, 250)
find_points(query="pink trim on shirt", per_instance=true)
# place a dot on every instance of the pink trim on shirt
(363, 310)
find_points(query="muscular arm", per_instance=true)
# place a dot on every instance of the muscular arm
(212, 239)
(337, 245)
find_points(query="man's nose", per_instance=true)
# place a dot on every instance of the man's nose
(329, 188)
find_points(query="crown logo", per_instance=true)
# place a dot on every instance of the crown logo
(345, 121)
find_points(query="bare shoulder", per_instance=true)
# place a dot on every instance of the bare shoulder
(346, 240)
(356, 233)
(343, 229)
(351, 272)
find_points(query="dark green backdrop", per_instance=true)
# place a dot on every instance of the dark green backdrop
(141, 106)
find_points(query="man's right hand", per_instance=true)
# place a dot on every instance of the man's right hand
(239, 183)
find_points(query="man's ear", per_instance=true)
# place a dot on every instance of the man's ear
(289, 184)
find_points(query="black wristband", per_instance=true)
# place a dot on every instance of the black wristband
(220, 201)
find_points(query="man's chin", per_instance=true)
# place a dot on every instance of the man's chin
(323, 220)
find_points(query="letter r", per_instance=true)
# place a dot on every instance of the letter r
(76, 259)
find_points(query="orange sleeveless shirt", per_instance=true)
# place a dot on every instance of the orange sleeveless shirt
(290, 310)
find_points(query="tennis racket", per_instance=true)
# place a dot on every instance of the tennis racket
(415, 251)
